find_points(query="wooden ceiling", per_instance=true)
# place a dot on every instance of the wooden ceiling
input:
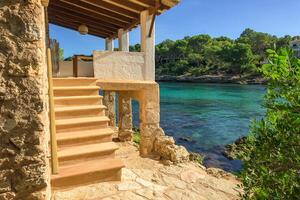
(103, 17)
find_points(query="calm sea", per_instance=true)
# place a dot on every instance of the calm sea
(211, 115)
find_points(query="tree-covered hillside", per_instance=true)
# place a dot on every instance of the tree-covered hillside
(202, 55)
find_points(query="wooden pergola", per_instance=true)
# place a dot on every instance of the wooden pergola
(104, 18)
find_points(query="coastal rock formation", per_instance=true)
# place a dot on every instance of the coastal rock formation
(212, 79)
(219, 173)
(23, 101)
(231, 150)
(196, 157)
(165, 146)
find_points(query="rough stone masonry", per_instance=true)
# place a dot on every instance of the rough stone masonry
(23, 101)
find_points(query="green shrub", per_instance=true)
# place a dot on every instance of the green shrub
(136, 138)
(272, 151)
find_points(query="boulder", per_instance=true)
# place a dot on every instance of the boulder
(165, 146)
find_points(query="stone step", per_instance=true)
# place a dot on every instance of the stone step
(84, 137)
(76, 91)
(82, 123)
(85, 148)
(80, 81)
(87, 172)
(82, 153)
(71, 112)
(77, 100)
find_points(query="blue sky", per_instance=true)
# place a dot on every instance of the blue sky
(214, 17)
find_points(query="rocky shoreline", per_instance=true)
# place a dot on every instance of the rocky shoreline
(235, 79)
(232, 150)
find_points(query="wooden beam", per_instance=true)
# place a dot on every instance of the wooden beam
(151, 26)
(146, 3)
(169, 3)
(113, 8)
(75, 66)
(56, 10)
(90, 11)
(63, 17)
(127, 5)
(93, 7)
(127, 28)
(76, 29)
(105, 17)
(84, 57)
(157, 5)
(77, 24)
(54, 157)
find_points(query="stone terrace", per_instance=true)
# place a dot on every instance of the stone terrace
(148, 178)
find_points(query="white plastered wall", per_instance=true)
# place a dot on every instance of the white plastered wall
(119, 65)
(85, 69)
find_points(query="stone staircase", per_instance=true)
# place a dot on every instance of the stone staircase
(86, 152)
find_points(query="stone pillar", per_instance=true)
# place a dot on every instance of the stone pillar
(149, 119)
(124, 100)
(148, 45)
(109, 44)
(24, 123)
(153, 138)
(123, 39)
(109, 100)
(109, 97)
(125, 117)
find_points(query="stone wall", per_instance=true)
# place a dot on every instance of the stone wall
(24, 124)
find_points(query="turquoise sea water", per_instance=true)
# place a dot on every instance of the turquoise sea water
(212, 115)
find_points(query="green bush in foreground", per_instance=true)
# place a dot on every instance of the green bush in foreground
(271, 154)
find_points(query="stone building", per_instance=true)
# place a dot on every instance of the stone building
(56, 132)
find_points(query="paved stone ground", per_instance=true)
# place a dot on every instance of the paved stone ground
(147, 179)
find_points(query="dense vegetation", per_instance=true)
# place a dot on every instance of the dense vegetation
(202, 54)
(271, 154)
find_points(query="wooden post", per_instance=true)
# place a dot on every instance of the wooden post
(54, 158)
(75, 66)
(147, 44)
